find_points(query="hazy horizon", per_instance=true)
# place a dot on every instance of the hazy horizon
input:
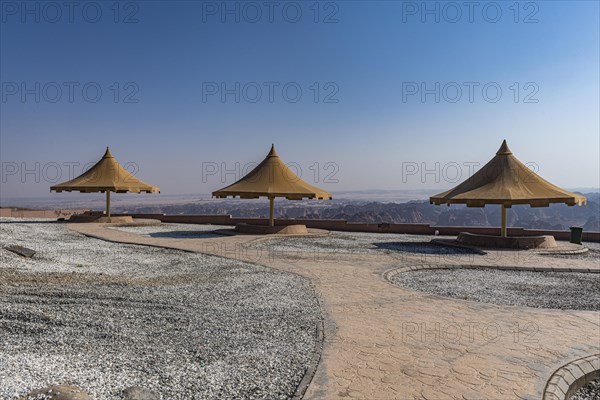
(97, 200)
(393, 97)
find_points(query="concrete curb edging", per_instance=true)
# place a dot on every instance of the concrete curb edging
(314, 363)
(568, 379)
(562, 250)
(388, 274)
(311, 233)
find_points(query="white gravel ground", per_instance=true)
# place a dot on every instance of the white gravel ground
(397, 245)
(591, 391)
(345, 242)
(560, 290)
(291, 248)
(359, 242)
(106, 316)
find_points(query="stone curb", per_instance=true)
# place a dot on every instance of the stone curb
(568, 379)
(559, 251)
(388, 274)
(314, 363)
(311, 233)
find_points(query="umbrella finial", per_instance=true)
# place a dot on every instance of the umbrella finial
(107, 154)
(504, 150)
(272, 153)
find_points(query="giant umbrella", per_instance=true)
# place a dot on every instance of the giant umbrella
(107, 175)
(271, 179)
(506, 181)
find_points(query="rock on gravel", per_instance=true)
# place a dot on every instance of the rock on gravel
(22, 251)
(57, 392)
(106, 316)
(560, 290)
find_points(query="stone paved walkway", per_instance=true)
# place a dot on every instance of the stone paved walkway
(385, 342)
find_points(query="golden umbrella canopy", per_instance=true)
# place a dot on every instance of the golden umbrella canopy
(107, 175)
(272, 178)
(505, 180)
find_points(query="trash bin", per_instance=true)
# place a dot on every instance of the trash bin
(576, 234)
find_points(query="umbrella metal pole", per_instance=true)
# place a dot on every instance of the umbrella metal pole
(271, 211)
(503, 229)
(108, 203)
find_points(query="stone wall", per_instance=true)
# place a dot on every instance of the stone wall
(329, 224)
(343, 225)
(18, 213)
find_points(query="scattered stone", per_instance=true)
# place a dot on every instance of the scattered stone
(57, 392)
(22, 251)
(140, 393)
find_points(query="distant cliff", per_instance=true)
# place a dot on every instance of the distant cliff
(557, 216)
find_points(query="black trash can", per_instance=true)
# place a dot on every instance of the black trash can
(576, 234)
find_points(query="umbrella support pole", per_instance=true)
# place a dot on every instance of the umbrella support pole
(108, 203)
(271, 211)
(503, 229)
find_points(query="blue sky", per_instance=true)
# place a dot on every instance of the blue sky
(362, 127)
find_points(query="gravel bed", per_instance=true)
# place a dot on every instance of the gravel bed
(591, 391)
(559, 290)
(106, 316)
(62, 250)
(168, 230)
(335, 242)
(361, 243)
(343, 242)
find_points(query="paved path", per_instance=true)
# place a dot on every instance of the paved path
(385, 342)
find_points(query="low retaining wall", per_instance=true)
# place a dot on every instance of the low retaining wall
(17, 213)
(343, 225)
(327, 224)
(278, 229)
(509, 242)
